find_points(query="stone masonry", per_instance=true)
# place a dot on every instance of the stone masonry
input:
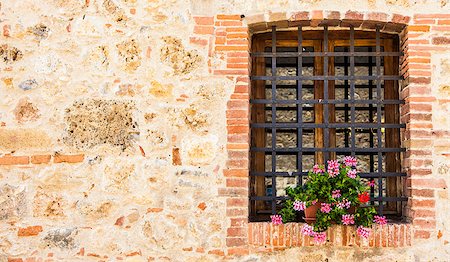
(124, 130)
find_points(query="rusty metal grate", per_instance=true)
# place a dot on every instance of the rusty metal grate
(324, 70)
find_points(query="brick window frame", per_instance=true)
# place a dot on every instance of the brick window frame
(229, 39)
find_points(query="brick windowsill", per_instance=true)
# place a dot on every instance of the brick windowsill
(264, 236)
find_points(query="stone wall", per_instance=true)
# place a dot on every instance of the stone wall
(124, 130)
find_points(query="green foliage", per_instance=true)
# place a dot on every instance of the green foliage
(319, 187)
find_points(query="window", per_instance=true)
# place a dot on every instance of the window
(320, 95)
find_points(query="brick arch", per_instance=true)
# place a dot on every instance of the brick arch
(389, 23)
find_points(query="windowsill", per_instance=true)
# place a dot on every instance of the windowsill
(264, 236)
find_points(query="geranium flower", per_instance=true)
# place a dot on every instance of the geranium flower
(325, 208)
(333, 164)
(317, 169)
(344, 204)
(371, 183)
(348, 219)
(336, 193)
(307, 230)
(363, 232)
(299, 205)
(352, 173)
(276, 219)
(320, 237)
(364, 197)
(380, 220)
(350, 161)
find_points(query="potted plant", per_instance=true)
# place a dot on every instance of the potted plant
(334, 194)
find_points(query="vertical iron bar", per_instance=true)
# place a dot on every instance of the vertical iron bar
(379, 98)
(299, 106)
(352, 86)
(274, 119)
(325, 97)
(346, 97)
(371, 160)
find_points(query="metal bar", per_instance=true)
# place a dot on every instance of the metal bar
(328, 149)
(300, 104)
(333, 101)
(346, 138)
(380, 156)
(310, 108)
(274, 117)
(326, 130)
(292, 174)
(381, 77)
(294, 65)
(323, 54)
(352, 88)
(371, 160)
(386, 199)
(332, 125)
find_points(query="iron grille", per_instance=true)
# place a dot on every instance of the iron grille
(320, 95)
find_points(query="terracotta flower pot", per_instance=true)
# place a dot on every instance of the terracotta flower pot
(311, 211)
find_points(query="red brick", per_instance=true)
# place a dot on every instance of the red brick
(239, 66)
(237, 146)
(444, 22)
(233, 192)
(230, 72)
(432, 16)
(236, 30)
(6, 30)
(238, 129)
(237, 104)
(236, 212)
(424, 213)
(40, 159)
(231, 48)
(12, 259)
(396, 18)
(239, 222)
(229, 17)
(58, 158)
(237, 154)
(376, 16)
(430, 203)
(235, 173)
(236, 182)
(300, 16)
(14, 160)
(220, 40)
(419, 28)
(352, 15)
(424, 223)
(230, 23)
(29, 231)
(237, 232)
(204, 20)
(422, 234)
(204, 30)
(422, 192)
(238, 54)
(238, 251)
(237, 36)
(441, 40)
(217, 252)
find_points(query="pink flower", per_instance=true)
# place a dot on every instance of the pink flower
(351, 173)
(313, 202)
(317, 169)
(348, 219)
(325, 208)
(307, 230)
(299, 205)
(350, 161)
(380, 220)
(320, 237)
(333, 164)
(344, 204)
(371, 183)
(276, 219)
(336, 193)
(363, 232)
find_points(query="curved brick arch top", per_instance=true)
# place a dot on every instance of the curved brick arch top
(389, 23)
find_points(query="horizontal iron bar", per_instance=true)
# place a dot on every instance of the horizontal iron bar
(330, 101)
(344, 77)
(330, 125)
(293, 174)
(311, 131)
(383, 199)
(310, 108)
(322, 54)
(330, 149)
(305, 86)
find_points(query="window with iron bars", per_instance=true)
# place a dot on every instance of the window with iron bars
(321, 95)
